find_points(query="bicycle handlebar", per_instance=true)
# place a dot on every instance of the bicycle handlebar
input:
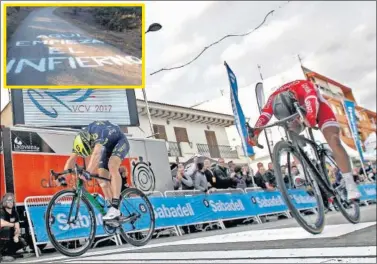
(300, 112)
(77, 169)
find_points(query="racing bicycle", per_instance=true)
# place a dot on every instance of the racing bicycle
(314, 161)
(72, 216)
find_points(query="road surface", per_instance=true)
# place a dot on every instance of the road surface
(281, 241)
(47, 50)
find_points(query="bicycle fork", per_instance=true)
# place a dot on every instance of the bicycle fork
(76, 197)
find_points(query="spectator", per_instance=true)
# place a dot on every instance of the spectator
(182, 181)
(222, 175)
(271, 167)
(231, 166)
(200, 180)
(238, 179)
(211, 179)
(270, 175)
(10, 232)
(247, 175)
(355, 173)
(259, 177)
(286, 178)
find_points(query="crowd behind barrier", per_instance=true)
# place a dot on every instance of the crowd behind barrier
(177, 209)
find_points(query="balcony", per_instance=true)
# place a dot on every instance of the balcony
(217, 151)
(174, 149)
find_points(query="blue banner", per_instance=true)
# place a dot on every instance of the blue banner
(349, 107)
(177, 211)
(368, 192)
(239, 117)
(267, 202)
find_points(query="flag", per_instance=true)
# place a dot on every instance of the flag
(349, 108)
(239, 117)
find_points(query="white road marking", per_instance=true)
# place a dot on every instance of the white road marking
(246, 236)
(251, 255)
(287, 260)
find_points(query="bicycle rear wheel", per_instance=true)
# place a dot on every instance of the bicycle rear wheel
(70, 239)
(293, 196)
(349, 209)
(139, 227)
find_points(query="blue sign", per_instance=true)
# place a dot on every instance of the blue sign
(178, 211)
(302, 200)
(267, 202)
(349, 107)
(239, 117)
(368, 192)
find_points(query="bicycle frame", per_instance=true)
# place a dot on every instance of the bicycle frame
(81, 191)
(295, 139)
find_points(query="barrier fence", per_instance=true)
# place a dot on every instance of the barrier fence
(181, 208)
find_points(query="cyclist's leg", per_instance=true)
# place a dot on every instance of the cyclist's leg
(103, 171)
(331, 131)
(119, 153)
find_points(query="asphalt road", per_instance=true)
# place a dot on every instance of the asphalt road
(47, 50)
(280, 241)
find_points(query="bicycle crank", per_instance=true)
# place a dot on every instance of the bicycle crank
(121, 220)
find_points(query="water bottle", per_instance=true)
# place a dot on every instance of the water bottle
(101, 200)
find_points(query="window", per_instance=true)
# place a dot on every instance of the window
(181, 134)
(160, 129)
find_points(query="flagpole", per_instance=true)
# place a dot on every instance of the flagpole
(260, 112)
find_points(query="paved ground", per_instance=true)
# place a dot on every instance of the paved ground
(282, 241)
(47, 50)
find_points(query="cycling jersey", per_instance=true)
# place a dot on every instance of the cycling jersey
(111, 137)
(318, 110)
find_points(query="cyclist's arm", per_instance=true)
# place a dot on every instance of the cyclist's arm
(267, 112)
(311, 102)
(95, 158)
(70, 163)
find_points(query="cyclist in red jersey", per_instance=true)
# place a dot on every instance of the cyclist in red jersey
(318, 111)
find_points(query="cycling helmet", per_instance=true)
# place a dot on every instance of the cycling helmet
(283, 105)
(81, 144)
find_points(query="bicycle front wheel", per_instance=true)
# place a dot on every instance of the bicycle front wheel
(138, 225)
(70, 223)
(299, 190)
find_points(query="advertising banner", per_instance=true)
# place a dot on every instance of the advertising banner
(349, 108)
(178, 211)
(239, 116)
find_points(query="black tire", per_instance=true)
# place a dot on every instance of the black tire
(339, 202)
(127, 236)
(318, 227)
(51, 236)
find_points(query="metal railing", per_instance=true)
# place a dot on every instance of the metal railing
(174, 149)
(217, 151)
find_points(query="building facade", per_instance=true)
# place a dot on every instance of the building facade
(335, 93)
(187, 131)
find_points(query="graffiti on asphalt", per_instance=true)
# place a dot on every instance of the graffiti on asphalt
(64, 50)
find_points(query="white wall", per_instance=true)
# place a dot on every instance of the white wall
(195, 131)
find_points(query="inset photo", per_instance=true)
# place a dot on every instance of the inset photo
(78, 45)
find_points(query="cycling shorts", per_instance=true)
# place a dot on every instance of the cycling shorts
(325, 115)
(121, 149)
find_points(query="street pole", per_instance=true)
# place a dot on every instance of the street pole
(152, 28)
(148, 112)
(260, 112)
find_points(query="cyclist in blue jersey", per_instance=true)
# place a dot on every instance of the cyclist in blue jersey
(107, 146)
